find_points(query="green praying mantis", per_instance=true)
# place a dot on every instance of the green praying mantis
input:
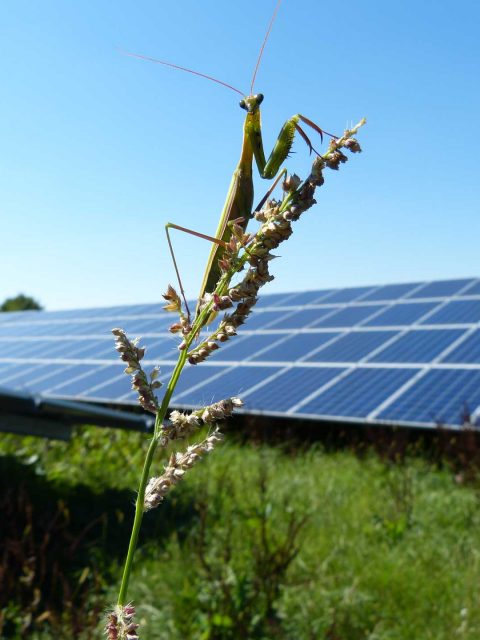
(238, 207)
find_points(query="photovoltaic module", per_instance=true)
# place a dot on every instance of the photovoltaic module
(402, 354)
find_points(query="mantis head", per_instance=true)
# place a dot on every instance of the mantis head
(252, 103)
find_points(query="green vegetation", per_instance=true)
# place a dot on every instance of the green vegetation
(21, 303)
(254, 543)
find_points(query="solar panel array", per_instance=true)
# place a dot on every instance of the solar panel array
(405, 354)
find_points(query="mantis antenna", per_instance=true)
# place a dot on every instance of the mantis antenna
(178, 67)
(263, 45)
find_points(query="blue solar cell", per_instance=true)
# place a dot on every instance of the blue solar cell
(87, 329)
(193, 376)
(346, 295)
(274, 300)
(358, 393)
(161, 349)
(418, 346)
(305, 297)
(289, 388)
(46, 349)
(115, 389)
(6, 371)
(456, 312)
(351, 347)
(349, 316)
(157, 309)
(261, 319)
(22, 329)
(79, 379)
(401, 314)
(301, 319)
(88, 349)
(390, 292)
(14, 348)
(442, 396)
(246, 347)
(467, 352)
(54, 375)
(474, 290)
(139, 327)
(231, 382)
(20, 373)
(296, 346)
(441, 288)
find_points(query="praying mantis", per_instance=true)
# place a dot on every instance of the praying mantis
(238, 207)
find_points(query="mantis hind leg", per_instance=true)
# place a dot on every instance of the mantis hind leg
(171, 225)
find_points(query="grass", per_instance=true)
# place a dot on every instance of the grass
(257, 543)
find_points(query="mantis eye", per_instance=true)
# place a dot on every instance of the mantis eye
(243, 104)
(259, 98)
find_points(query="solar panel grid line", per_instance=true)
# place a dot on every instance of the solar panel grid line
(404, 331)
(292, 310)
(121, 375)
(449, 283)
(80, 376)
(426, 368)
(421, 286)
(371, 317)
(288, 296)
(463, 366)
(262, 383)
(6, 371)
(322, 297)
(386, 344)
(355, 420)
(284, 337)
(345, 295)
(200, 384)
(432, 311)
(320, 390)
(460, 340)
(396, 394)
(321, 346)
(21, 372)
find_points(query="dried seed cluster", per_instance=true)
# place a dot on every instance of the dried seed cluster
(182, 424)
(174, 304)
(120, 624)
(157, 488)
(276, 227)
(132, 354)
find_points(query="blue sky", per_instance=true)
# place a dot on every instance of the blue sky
(100, 150)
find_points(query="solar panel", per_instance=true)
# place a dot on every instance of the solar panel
(418, 346)
(349, 316)
(457, 312)
(467, 352)
(291, 348)
(347, 295)
(441, 288)
(399, 315)
(289, 387)
(356, 394)
(300, 319)
(407, 354)
(232, 382)
(442, 397)
(390, 292)
(351, 347)
(473, 290)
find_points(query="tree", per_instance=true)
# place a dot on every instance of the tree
(21, 303)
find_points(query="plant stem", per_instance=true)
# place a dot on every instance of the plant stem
(161, 413)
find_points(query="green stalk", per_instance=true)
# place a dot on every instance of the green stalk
(160, 417)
